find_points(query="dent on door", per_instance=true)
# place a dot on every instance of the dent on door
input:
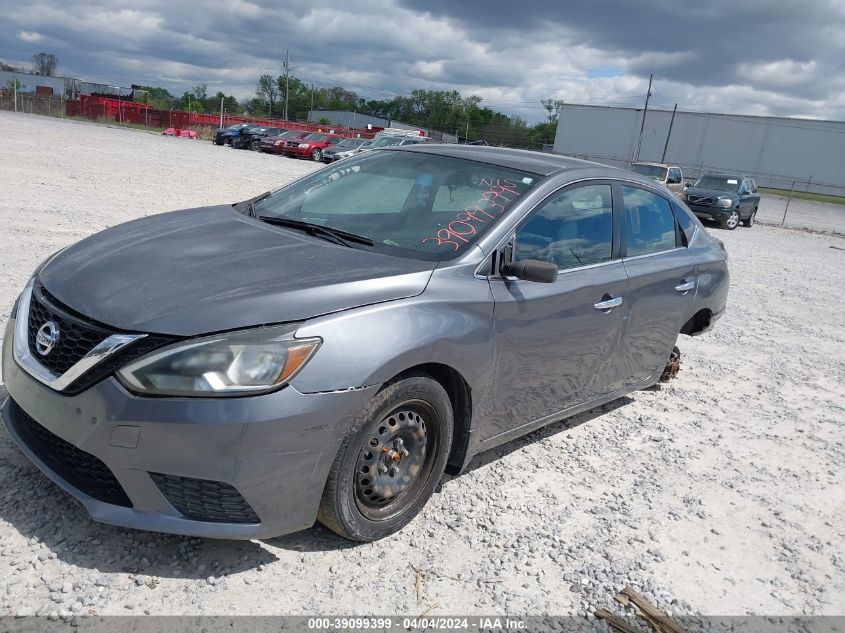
(554, 344)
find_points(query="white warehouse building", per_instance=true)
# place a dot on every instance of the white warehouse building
(777, 151)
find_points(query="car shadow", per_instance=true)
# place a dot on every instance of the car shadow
(38, 509)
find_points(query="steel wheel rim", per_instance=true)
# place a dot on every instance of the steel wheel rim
(733, 219)
(389, 473)
(316, 154)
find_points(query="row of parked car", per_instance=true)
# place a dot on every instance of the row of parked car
(317, 146)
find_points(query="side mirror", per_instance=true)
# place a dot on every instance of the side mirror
(532, 270)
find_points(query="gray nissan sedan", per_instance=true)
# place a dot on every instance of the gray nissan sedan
(327, 350)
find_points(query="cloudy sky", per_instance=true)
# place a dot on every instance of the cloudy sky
(745, 56)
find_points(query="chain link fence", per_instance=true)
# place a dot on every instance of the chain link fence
(32, 104)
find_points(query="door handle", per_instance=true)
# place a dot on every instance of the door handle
(685, 286)
(606, 305)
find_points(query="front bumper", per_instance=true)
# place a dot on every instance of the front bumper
(273, 451)
(710, 213)
(298, 152)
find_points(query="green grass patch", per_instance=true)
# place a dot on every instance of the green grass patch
(804, 195)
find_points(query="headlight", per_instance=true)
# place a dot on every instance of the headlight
(279, 143)
(235, 363)
(304, 146)
(727, 203)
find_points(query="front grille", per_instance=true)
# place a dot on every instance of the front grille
(80, 469)
(77, 336)
(205, 500)
(701, 199)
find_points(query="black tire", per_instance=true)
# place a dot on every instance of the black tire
(732, 221)
(362, 503)
(218, 142)
(317, 155)
(255, 145)
(750, 221)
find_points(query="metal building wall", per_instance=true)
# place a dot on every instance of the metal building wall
(777, 151)
(28, 81)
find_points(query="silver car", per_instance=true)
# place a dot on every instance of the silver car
(326, 351)
(346, 148)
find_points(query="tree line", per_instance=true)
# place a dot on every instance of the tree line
(442, 110)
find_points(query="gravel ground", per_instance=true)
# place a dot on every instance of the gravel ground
(720, 493)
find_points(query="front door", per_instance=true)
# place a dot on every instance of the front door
(662, 284)
(554, 343)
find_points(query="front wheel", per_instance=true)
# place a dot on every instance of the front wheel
(391, 460)
(732, 221)
(255, 145)
(317, 155)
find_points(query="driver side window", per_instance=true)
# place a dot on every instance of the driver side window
(572, 228)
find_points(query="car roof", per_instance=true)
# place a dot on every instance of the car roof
(645, 162)
(540, 163)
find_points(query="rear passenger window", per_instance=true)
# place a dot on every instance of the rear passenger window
(573, 228)
(649, 222)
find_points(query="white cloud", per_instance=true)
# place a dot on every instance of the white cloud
(30, 36)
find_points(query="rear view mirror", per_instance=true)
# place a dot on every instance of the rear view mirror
(533, 270)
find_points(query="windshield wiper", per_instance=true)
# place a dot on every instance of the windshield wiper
(318, 230)
(250, 204)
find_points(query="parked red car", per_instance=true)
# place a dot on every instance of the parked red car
(310, 146)
(274, 144)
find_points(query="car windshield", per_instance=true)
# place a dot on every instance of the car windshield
(387, 141)
(410, 204)
(650, 171)
(719, 183)
(292, 134)
(314, 137)
(350, 143)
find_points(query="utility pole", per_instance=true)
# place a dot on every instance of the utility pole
(669, 133)
(642, 125)
(312, 99)
(287, 81)
(221, 111)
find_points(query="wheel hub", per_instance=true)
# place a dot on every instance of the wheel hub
(392, 458)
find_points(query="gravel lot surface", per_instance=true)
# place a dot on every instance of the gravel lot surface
(720, 493)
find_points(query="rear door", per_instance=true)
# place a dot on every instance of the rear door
(554, 343)
(661, 283)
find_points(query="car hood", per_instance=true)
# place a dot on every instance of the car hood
(710, 193)
(210, 269)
